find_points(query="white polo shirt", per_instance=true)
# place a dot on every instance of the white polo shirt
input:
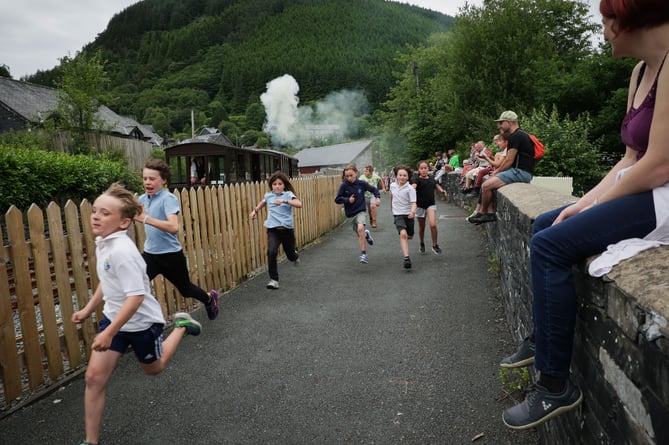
(122, 273)
(403, 197)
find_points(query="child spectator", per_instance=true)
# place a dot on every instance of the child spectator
(162, 250)
(479, 164)
(426, 206)
(502, 142)
(132, 315)
(351, 193)
(403, 206)
(280, 202)
(376, 181)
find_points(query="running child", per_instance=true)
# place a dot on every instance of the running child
(132, 315)
(403, 206)
(280, 202)
(370, 202)
(426, 206)
(351, 193)
(162, 250)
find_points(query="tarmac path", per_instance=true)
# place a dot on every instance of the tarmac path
(342, 353)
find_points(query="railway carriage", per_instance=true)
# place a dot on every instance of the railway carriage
(225, 163)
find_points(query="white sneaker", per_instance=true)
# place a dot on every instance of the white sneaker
(368, 237)
(273, 284)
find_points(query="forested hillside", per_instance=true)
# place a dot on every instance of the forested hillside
(432, 85)
(166, 57)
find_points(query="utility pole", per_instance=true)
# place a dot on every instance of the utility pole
(415, 74)
(192, 124)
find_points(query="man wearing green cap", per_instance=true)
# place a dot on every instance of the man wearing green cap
(518, 166)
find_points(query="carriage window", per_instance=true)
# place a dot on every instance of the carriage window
(217, 170)
(243, 167)
(180, 170)
(233, 170)
(267, 166)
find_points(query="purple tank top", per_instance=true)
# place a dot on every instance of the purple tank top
(635, 129)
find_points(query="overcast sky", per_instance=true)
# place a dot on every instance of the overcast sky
(34, 34)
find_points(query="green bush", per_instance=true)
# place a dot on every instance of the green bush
(569, 150)
(30, 176)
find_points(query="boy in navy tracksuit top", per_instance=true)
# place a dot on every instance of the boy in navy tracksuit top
(352, 194)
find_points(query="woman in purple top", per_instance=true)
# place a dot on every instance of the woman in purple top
(630, 202)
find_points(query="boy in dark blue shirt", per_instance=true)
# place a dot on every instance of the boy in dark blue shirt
(352, 194)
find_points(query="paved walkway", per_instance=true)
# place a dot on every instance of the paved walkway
(342, 353)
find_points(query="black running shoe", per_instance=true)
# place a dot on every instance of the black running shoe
(541, 405)
(524, 356)
(482, 218)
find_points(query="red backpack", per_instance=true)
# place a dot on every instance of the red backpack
(539, 147)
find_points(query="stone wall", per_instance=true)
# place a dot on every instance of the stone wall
(621, 351)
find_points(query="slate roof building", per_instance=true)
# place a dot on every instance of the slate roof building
(211, 135)
(315, 159)
(24, 104)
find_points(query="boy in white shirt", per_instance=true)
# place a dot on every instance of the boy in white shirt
(132, 315)
(403, 205)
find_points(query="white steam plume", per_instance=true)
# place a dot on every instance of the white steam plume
(289, 124)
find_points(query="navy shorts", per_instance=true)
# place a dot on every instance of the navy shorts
(148, 344)
(403, 222)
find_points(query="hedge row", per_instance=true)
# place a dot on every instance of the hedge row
(36, 176)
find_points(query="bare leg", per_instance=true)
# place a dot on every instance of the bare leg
(361, 237)
(421, 230)
(404, 243)
(372, 213)
(432, 220)
(488, 193)
(99, 371)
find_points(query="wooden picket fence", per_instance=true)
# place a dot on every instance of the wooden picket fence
(47, 277)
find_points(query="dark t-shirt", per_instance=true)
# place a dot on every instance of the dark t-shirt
(520, 141)
(424, 191)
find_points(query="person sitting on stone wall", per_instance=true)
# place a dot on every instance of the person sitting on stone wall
(518, 166)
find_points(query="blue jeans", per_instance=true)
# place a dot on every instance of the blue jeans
(554, 250)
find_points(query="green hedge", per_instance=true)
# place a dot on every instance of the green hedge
(36, 176)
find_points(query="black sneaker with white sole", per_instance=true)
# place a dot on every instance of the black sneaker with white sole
(541, 405)
(524, 356)
(475, 214)
(482, 218)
